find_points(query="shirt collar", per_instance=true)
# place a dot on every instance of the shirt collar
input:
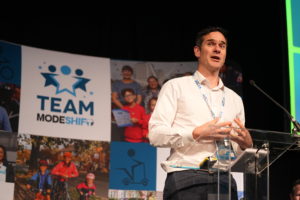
(198, 76)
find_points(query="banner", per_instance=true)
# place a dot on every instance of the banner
(65, 106)
(65, 95)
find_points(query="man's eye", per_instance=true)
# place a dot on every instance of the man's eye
(223, 46)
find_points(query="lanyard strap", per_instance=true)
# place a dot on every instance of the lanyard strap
(206, 101)
(213, 115)
(219, 145)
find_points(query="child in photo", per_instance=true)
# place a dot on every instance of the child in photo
(137, 114)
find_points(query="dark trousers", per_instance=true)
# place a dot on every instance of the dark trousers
(197, 184)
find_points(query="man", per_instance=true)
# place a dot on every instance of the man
(4, 120)
(9, 108)
(295, 194)
(126, 82)
(190, 116)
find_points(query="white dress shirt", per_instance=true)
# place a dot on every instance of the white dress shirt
(180, 109)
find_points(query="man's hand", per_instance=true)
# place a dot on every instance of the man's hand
(241, 135)
(212, 130)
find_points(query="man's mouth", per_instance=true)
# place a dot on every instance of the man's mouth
(216, 58)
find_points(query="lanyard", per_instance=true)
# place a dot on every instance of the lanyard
(206, 101)
(212, 113)
(219, 145)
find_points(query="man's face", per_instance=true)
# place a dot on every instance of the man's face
(126, 74)
(296, 194)
(212, 52)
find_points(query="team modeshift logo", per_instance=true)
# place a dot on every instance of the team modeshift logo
(65, 80)
(58, 80)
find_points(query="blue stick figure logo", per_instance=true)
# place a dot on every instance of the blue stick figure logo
(131, 176)
(64, 81)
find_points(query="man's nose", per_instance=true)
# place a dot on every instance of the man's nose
(217, 49)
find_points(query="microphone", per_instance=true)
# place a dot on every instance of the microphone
(296, 124)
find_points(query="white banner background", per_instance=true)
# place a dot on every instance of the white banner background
(36, 61)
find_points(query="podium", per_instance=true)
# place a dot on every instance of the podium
(247, 175)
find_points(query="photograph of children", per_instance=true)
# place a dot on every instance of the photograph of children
(59, 168)
(135, 88)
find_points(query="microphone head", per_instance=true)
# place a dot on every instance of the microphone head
(252, 82)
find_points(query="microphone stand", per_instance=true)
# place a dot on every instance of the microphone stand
(296, 128)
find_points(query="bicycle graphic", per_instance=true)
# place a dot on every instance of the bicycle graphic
(131, 176)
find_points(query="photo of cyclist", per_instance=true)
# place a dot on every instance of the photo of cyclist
(66, 168)
(40, 183)
(87, 188)
(61, 173)
(69, 163)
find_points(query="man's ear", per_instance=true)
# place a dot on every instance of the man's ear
(197, 51)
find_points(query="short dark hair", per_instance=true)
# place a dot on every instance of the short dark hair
(128, 68)
(297, 182)
(127, 90)
(205, 31)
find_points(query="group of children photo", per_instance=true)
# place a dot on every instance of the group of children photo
(53, 183)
